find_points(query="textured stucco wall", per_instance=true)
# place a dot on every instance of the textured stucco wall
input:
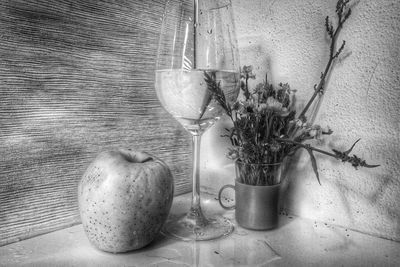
(287, 39)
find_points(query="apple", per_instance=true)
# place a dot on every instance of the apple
(124, 199)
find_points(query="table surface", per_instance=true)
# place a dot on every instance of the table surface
(296, 242)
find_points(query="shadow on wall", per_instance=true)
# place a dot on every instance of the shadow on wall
(341, 199)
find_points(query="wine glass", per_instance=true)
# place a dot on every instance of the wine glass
(197, 39)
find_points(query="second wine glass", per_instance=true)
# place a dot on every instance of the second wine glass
(197, 40)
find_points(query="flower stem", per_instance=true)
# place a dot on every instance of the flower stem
(308, 147)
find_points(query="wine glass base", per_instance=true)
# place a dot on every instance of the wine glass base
(196, 228)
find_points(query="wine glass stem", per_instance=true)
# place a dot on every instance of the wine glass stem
(195, 214)
(196, 139)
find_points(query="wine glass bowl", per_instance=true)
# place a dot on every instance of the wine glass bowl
(185, 95)
(197, 40)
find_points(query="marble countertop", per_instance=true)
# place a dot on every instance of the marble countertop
(296, 242)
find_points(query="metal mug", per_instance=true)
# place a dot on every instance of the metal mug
(256, 207)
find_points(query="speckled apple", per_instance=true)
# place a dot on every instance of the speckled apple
(124, 198)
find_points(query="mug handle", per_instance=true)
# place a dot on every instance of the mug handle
(219, 197)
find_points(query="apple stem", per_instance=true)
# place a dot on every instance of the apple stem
(136, 157)
(141, 157)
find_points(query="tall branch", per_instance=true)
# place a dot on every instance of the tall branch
(343, 15)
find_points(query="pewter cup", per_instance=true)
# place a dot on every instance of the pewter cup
(256, 207)
(257, 188)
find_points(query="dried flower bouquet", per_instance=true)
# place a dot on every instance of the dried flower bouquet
(266, 128)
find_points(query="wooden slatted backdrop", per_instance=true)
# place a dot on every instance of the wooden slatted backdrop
(76, 78)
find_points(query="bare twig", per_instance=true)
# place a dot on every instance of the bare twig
(343, 14)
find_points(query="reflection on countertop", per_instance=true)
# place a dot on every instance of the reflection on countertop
(296, 242)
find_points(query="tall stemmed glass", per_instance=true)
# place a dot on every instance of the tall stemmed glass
(197, 40)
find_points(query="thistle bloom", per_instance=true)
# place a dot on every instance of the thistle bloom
(262, 106)
(314, 133)
(247, 72)
(274, 104)
(275, 146)
(232, 154)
